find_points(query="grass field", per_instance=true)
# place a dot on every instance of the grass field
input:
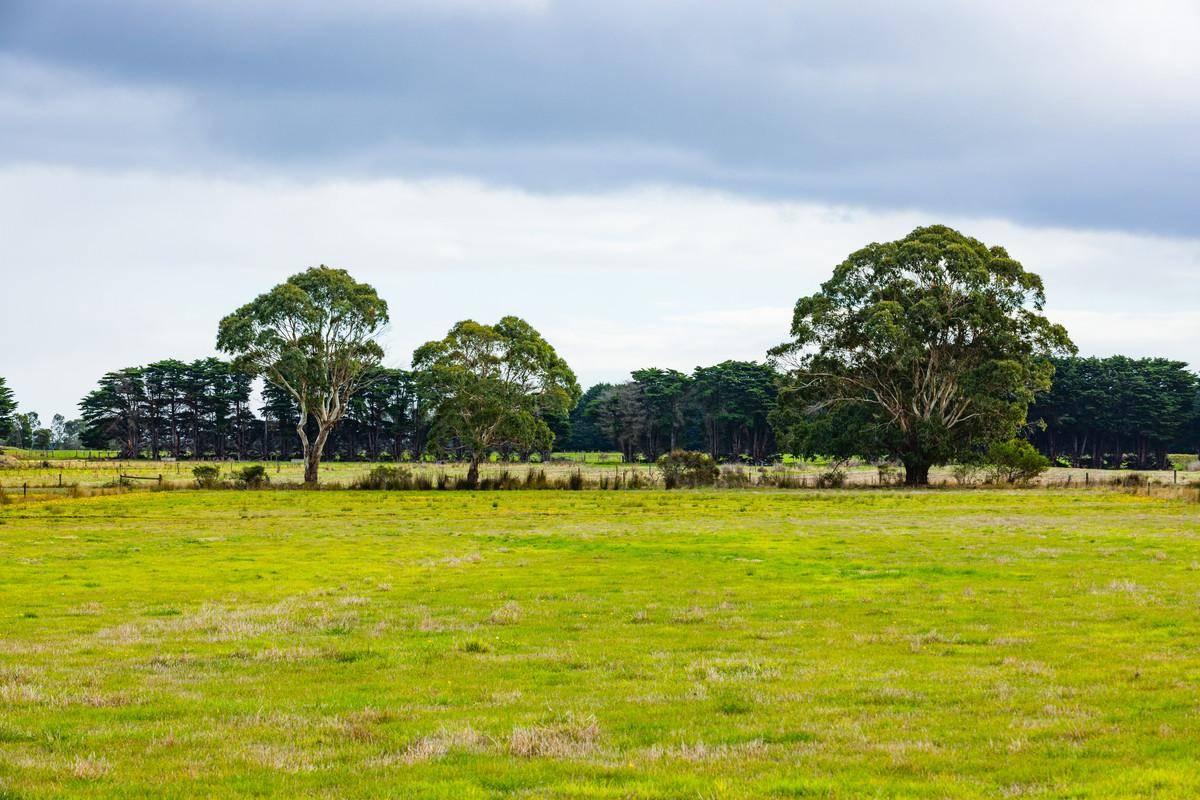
(602, 645)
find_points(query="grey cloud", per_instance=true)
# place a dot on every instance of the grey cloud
(1065, 113)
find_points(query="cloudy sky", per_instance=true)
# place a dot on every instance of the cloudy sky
(646, 182)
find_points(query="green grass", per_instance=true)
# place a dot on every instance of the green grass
(54, 455)
(590, 457)
(600, 645)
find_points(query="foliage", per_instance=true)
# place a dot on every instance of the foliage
(314, 337)
(384, 477)
(734, 400)
(584, 434)
(688, 468)
(1118, 411)
(664, 393)
(490, 387)
(7, 407)
(253, 476)
(722, 409)
(171, 407)
(208, 476)
(922, 349)
(1015, 461)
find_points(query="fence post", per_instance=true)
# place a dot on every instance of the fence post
(160, 480)
(1175, 476)
(60, 480)
(1086, 479)
(25, 489)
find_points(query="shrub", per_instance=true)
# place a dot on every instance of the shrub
(575, 481)
(966, 473)
(207, 476)
(1015, 461)
(735, 478)
(384, 477)
(253, 476)
(834, 478)
(688, 468)
(887, 474)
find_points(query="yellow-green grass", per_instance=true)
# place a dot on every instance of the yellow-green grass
(603, 645)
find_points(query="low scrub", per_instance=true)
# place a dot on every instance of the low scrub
(253, 477)
(688, 468)
(1015, 461)
(207, 476)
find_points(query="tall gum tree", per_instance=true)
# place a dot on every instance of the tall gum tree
(313, 336)
(925, 349)
(492, 386)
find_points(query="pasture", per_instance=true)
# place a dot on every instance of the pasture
(732, 644)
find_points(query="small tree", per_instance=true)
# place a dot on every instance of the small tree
(688, 468)
(923, 349)
(493, 386)
(314, 337)
(1015, 461)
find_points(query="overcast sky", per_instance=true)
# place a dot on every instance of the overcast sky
(648, 183)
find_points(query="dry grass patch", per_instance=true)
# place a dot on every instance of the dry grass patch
(90, 767)
(571, 737)
(507, 614)
(435, 746)
(701, 753)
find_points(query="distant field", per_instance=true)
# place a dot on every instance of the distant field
(53, 477)
(732, 644)
(55, 455)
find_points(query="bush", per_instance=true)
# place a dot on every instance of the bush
(1015, 461)
(834, 478)
(207, 476)
(253, 476)
(383, 477)
(966, 473)
(887, 474)
(688, 468)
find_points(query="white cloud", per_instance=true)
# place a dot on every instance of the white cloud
(109, 269)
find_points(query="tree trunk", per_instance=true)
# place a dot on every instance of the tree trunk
(916, 472)
(312, 454)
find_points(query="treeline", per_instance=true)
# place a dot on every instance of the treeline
(1099, 412)
(26, 429)
(1117, 412)
(722, 410)
(202, 409)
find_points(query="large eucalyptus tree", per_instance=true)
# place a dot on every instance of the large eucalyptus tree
(314, 337)
(493, 386)
(924, 349)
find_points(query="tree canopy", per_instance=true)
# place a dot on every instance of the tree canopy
(1117, 411)
(924, 349)
(314, 337)
(493, 386)
(722, 409)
